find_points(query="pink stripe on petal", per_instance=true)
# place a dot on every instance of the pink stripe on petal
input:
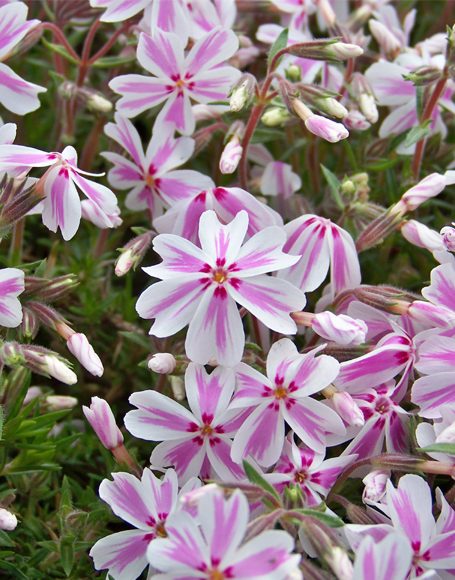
(434, 392)
(185, 455)
(123, 554)
(214, 48)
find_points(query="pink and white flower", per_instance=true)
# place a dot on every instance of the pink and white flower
(11, 285)
(145, 504)
(195, 441)
(284, 397)
(210, 546)
(278, 179)
(102, 420)
(390, 558)
(61, 206)
(440, 431)
(309, 470)
(200, 287)
(183, 218)
(200, 76)
(321, 244)
(16, 94)
(151, 177)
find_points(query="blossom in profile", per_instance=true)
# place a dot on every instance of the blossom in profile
(11, 285)
(151, 177)
(211, 544)
(284, 397)
(199, 75)
(16, 94)
(200, 287)
(61, 207)
(143, 503)
(102, 420)
(196, 441)
(321, 245)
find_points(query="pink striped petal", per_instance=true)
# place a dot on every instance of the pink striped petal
(251, 385)
(311, 373)
(11, 282)
(125, 174)
(12, 156)
(13, 27)
(279, 179)
(261, 436)
(208, 395)
(216, 331)
(182, 184)
(158, 417)
(123, 554)
(441, 552)
(219, 455)
(119, 10)
(345, 268)
(282, 355)
(161, 54)
(390, 88)
(172, 303)
(410, 508)
(170, 17)
(185, 455)
(211, 50)
(16, 94)
(182, 218)
(442, 288)
(178, 112)
(446, 519)
(179, 257)
(397, 433)
(163, 492)
(213, 85)
(164, 152)
(99, 194)
(62, 206)
(139, 93)
(125, 134)
(271, 300)
(324, 477)
(370, 440)
(436, 355)
(311, 420)
(390, 558)
(222, 242)
(434, 392)
(399, 120)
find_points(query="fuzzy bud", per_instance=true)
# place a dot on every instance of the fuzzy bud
(275, 117)
(242, 93)
(341, 328)
(8, 520)
(375, 486)
(162, 363)
(423, 76)
(56, 368)
(448, 237)
(378, 229)
(320, 126)
(230, 158)
(101, 418)
(60, 402)
(133, 253)
(347, 409)
(79, 346)
(178, 388)
(429, 187)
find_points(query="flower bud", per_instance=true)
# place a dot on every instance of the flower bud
(341, 328)
(133, 253)
(230, 158)
(378, 229)
(56, 368)
(423, 76)
(375, 486)
(339, 562)
(101, 418)
(368, 107)
(355, 121)
(427, 188)
(293, 73)
(60, 402)
(79, 346)
(49, 290)
(162, 363)
(275, 117)
(242, 92)
(32, 393)
(320, 126)
(384, 37)
(30, 325)
(343, 50)
(448, 237)
(332, 107)
(8, 520)
(430, 315)
(178, 388)
(347, 409)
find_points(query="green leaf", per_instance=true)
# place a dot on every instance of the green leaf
(417, 133)
(329, 520)
(67, 554)
(256, 478)
(59, 49)
(448, 448)
(334, 185)
(280, 43)
(112, 61)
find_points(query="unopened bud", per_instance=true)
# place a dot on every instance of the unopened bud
(49, 290)
(101, 418)
(178, 388)
(367, 104)
(60, 402)
(423, 76)
(347, 409)
(30, 325)
(94, 100)
(162, 363)
(8, 520)
(356, 121)
(378, 229)
(32, 393)
(80, 347)
(375, 486)
(231, 155)
(293, 73)
(320, 126)
(133, 253)
(385, 38)
(429, 187)
(56, 368)
(343, 51)
(275, 117)
(448, 237)
(242, 93)
(332, 107)
(341, 328)
(327, 50)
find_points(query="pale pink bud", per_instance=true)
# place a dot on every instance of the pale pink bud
(447, 435)
(448, 237)
(375, 486)
(60, 402)
(386, 39)
(339, 562)
(340, 328)
(8, 521)
(355, 121)
(178, 388)
(427, 188)
(343, 50)
(162, 363)
(124, 263)
(347, 409)
(321, 126)
(32, 393)
(56, 368)
(79, 346)
(101, 418)
(368, 107)
(203, 112)
(422, 236)
(232, 153)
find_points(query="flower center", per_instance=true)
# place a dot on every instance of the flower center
(280, 393)
(160, 530)
(300, 477)
(149, 180)
(216, 574)
(382, 405)
(206, 430)
(219, 275)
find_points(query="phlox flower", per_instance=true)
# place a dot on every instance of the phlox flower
(16, 95)
(210, 546)
(200, 75)
(284, 397)
(409, 507)
(183, 218)
(195, 441)
(321, 244)
(200, 287)
(303, 467)
(151, 176)
(11, 285)
(144, 503)
(441, 291)
(61, 206)
(390, 558)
